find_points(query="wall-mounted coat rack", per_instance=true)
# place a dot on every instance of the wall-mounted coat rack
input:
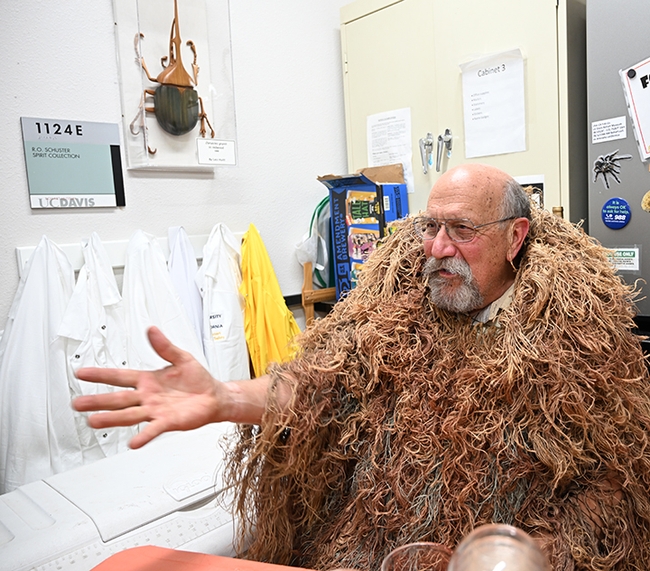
(116, 250)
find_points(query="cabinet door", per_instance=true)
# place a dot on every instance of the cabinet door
(465, 30)
(408, 54)
(388, 64)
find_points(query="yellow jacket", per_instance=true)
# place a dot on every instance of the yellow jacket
(269, 325)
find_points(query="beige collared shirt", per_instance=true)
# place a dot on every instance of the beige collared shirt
(488, 314)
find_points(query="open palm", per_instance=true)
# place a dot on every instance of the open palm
(182, 396)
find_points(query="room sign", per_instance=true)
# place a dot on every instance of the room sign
(72, 164)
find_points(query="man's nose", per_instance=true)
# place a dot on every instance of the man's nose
(442, 246)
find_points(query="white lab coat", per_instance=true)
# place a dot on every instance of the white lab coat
(182, 270)
(95, 326)
(219, 278)
(151, 299)
(38, 434)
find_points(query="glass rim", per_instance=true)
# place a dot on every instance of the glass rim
(441, 547)
(499, 530)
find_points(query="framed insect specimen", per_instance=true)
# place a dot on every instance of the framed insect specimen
(176, 80)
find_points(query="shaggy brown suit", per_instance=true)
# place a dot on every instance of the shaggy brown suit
(410, 423)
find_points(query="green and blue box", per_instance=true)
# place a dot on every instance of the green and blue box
(360, 211)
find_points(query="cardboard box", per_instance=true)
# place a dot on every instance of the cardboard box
(391, 179)
(360, 209)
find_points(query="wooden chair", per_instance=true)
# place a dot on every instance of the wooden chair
(311, 296)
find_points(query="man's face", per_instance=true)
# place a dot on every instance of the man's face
(467, 276)
(462, 295)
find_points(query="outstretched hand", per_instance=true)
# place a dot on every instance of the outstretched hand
(182, 396)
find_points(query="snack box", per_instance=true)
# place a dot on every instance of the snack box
(360, 210)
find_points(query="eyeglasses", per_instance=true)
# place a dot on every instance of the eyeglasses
(458, 229)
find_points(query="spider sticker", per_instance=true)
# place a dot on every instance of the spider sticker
(608, 165)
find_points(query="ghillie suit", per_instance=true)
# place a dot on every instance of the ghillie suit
(410, 423)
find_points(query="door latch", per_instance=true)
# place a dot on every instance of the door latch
(443, 141)
(426, 152)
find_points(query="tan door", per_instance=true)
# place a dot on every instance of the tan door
(388, 64)
(408, 54)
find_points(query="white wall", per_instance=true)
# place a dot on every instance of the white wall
(59, 62)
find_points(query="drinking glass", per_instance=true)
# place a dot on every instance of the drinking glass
(498, 547)
(422, 556)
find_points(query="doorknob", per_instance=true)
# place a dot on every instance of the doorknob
(443, 141)
(426, 152)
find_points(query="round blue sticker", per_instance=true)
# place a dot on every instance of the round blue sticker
(616, 213)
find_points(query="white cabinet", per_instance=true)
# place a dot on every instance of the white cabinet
(407, 54)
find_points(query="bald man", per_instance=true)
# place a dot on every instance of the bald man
(484, 370)
(477, 220)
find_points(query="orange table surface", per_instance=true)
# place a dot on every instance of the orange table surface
(150, 558)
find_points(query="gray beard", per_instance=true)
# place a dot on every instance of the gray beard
(464, 298)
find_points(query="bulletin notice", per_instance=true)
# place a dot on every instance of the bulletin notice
(72, 164)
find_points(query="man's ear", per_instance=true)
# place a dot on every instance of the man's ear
(518, 233)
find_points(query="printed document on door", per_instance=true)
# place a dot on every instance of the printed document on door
(493, 104)
(389, 141)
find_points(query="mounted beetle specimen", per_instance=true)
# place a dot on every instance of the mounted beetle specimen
(176, 104)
